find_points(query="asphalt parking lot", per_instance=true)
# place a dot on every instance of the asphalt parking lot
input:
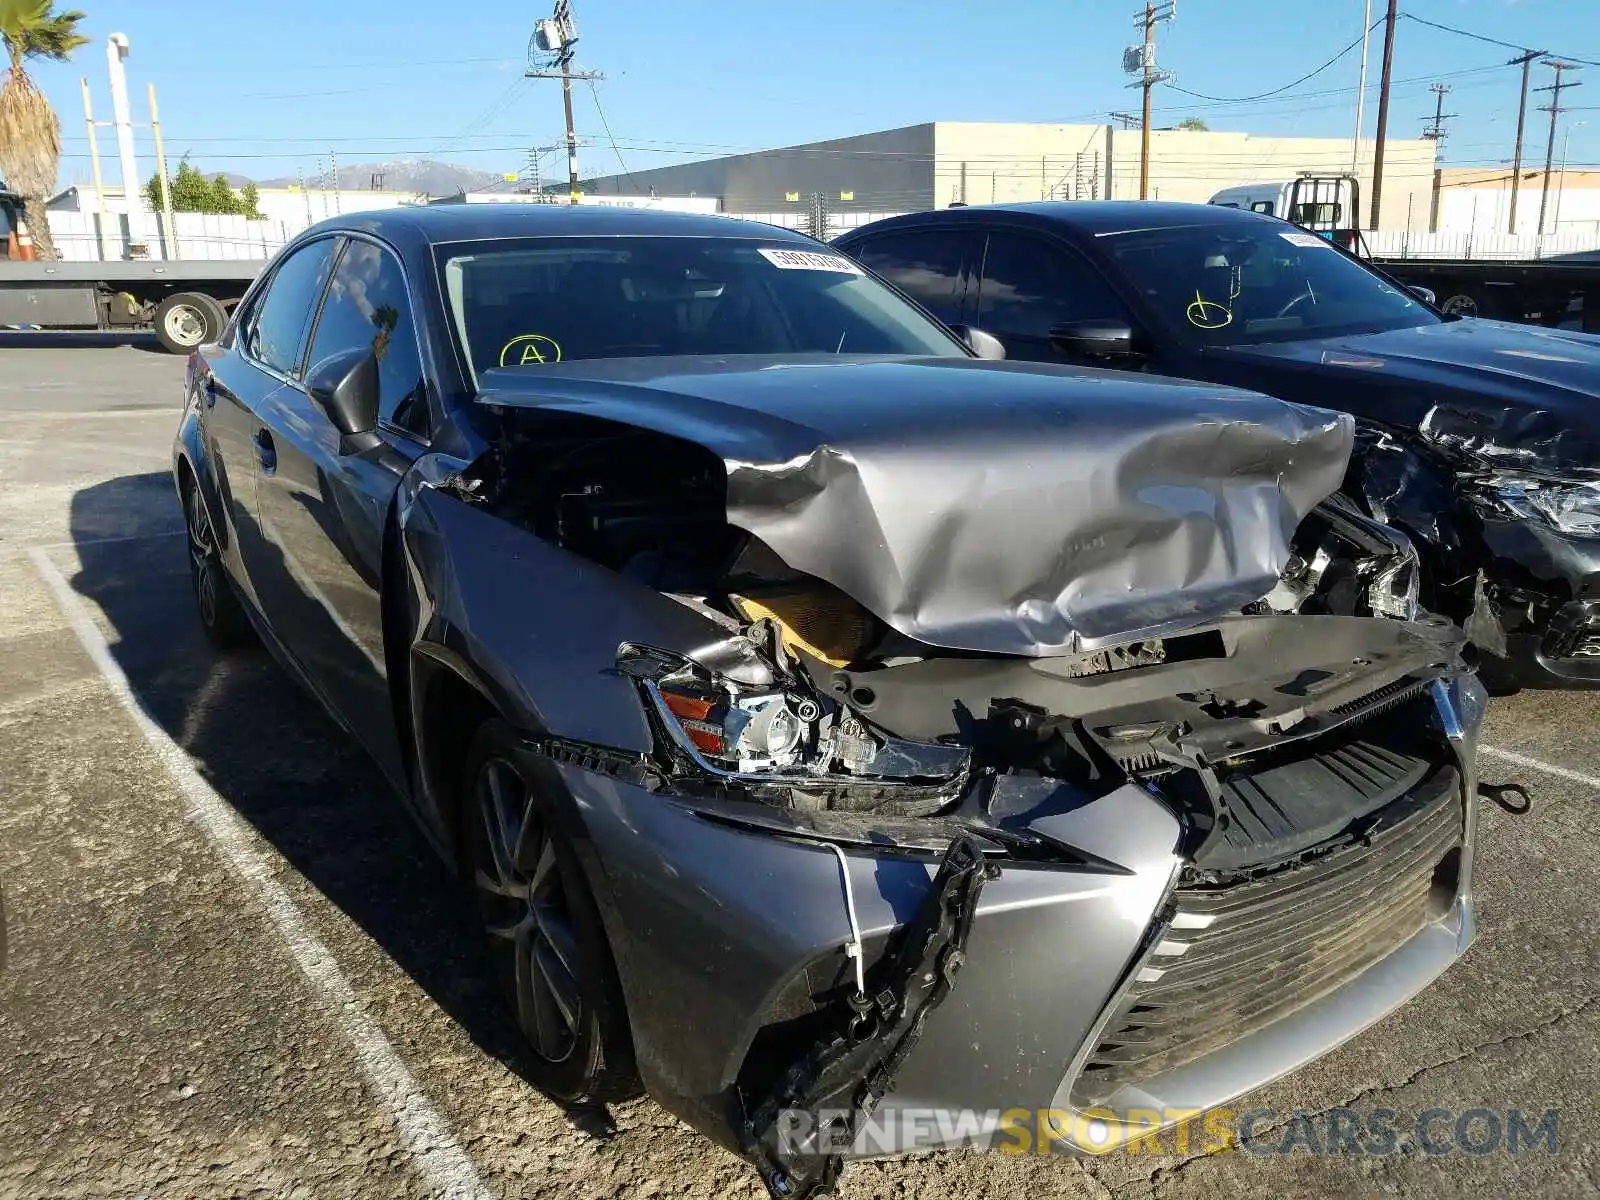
(236, 970)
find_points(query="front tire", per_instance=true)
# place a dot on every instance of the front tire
(222, 616)
(542, 932)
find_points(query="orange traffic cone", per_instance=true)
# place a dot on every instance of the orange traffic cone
(25, 251)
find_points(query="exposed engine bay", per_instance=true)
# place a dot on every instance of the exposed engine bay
(812, 704)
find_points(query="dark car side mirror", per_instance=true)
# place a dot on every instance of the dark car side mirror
(984, 345)
(1096, 339)
(345, 386)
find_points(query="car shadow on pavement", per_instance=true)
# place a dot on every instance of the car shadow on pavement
(271, 752)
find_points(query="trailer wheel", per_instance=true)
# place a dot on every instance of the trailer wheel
(1461, 304)
(185, 320)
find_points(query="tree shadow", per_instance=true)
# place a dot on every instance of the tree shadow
(282, 763)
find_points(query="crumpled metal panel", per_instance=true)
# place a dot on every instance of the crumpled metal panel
(1013, 508)
(1513, 436)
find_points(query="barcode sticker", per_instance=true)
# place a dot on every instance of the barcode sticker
(1304, 239)
(809, 260)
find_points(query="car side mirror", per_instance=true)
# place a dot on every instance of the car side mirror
(345, 386)
(984, 345)
(1100, 338)
(1424, 294)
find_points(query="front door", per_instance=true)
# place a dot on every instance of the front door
(267, 346)
(325, 510)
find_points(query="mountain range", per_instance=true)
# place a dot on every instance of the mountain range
(402, 175)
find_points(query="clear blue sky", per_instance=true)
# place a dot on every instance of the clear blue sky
(269, 89)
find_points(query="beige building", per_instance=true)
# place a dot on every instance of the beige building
(1479, 201)
(938, 163)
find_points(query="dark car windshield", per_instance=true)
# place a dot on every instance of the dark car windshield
(1233, 283)
(520, 301)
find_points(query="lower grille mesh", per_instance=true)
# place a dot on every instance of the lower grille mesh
(1241, 955)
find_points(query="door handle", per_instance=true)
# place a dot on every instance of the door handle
(266, 452)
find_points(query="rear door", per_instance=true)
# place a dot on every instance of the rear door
(1030, 284)
(929, 265)
(265, 349)
(324, 512)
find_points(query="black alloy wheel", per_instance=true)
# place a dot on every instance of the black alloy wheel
(222, 617)
(543, 935)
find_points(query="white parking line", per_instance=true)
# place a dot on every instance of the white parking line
(1533, 764)
(438, 1156)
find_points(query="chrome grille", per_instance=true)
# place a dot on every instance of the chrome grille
(1238, 956)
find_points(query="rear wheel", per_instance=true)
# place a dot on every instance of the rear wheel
(542, 932)
(221, 615)
(186, 320)
(1460, 304)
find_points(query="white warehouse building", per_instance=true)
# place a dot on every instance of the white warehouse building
(939, 163)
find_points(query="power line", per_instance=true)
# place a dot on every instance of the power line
(615, 149)
(1478, 37)
(1277, 91)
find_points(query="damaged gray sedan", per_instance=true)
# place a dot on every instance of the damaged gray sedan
(840, 734)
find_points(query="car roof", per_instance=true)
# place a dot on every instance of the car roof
(1089, 217)
(436, 223)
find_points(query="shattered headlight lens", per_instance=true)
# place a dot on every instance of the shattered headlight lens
(777, 731)
(1570, 508)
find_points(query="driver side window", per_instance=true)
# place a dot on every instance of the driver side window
(1030, 285)
(368, 307)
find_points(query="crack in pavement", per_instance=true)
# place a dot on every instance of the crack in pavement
(1164, 1173)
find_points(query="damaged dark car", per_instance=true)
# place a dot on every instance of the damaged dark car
(836, 729)
(1480, 439)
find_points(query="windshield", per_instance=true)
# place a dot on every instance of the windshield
(1238, 283)
(521, 301)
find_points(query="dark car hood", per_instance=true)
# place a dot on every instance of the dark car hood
(1508, 395)
(1006, 507)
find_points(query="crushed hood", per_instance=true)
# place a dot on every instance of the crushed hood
(1014, 508)
(1491, 391)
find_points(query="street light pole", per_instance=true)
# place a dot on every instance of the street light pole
(1561, 186)
(1361, 93)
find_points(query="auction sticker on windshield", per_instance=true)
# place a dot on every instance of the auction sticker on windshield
(1304, 239)
(809, 260)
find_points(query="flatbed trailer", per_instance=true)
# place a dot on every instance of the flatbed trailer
(186, 303)
(1549, 291)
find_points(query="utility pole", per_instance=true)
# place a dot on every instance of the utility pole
(168, 227)
(1126, 120)
(99, 182)
(1140, 60)
(550, 57)
(1526, 62)
(1389, 22)
(1435, 132)
(1555, 110)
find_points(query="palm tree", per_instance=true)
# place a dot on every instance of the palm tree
(30, 135)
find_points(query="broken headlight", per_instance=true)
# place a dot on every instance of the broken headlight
(1569, 508)
(777, 732)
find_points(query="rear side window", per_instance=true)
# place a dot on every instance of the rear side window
(368, 308)
(277, 330)
(924, 265)
(1262, 206)
(1030, 284)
